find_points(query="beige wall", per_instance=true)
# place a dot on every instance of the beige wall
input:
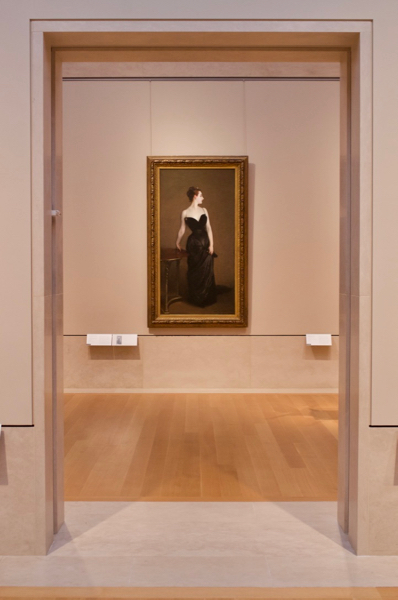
(15, 328)
(15, 260)
(257, 363)
(290, 131)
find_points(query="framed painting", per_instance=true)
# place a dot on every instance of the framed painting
(197, 241)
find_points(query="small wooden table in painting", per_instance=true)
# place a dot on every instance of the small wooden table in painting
(168, 257)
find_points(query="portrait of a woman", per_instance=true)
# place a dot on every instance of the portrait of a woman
(197, 241)
(200, 249)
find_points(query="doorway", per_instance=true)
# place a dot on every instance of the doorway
(217, 446)
(346, 324)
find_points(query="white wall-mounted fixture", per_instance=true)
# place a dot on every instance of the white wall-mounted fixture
(112, 339)
(318, 339)
(99, 339)
(124, 339)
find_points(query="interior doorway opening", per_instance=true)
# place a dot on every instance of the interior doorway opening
(329, 494)
(215, 447)
(331, 35)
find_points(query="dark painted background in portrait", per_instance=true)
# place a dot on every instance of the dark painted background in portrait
(218, 189)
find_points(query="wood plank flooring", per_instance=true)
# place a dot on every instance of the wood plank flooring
(200, 593)
(201, 447)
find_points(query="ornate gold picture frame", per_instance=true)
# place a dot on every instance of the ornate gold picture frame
(197, 241)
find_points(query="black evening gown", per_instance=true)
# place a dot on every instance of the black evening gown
(201, 282)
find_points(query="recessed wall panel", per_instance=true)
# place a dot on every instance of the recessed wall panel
(293, 146)
(290, 131)
(198, 118)
(106, 141)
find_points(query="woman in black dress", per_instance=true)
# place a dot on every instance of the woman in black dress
(200, 248)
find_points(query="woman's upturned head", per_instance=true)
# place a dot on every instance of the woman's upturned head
(192, 192)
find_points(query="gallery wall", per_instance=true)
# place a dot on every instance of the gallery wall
(289, 130)
(22, 493)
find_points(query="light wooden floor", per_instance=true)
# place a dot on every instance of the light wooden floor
(201, 593)
(204, 447)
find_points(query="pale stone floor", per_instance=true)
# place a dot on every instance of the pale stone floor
(191, 544)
